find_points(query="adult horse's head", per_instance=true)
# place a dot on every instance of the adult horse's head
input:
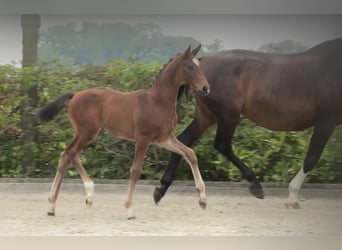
(191, 72)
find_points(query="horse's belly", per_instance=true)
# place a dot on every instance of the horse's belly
(285, 121)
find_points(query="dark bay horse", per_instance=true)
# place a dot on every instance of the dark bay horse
(278, 92)
(145, 116)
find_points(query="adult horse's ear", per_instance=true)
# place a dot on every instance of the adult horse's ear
(195, 51)
(186, 52)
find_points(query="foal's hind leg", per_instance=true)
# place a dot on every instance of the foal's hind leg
(319, 138)
(64, 162)
(222, 143)
(82, 139)
(176, 146)
(141, 146)
(87, 182)
(71, 155)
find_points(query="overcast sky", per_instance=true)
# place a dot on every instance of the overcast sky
(237, 31)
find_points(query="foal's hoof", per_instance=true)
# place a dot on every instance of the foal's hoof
(157, 195)
(292, 205)
(51, 213)
(256, 189)
(88, 203)
(131, 217)
(202, 204)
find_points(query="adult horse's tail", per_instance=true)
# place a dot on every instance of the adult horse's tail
(50, 111)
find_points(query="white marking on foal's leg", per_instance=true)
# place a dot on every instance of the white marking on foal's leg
(294, 188)
(202, 195)
(196, 61)
(129, 213)
(51, 208)
(89, 188)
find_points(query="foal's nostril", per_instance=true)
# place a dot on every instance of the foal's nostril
(205, 90)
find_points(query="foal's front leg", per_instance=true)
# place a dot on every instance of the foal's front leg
(141, 146)
(174, 145)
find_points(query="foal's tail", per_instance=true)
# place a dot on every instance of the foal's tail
(50, 111)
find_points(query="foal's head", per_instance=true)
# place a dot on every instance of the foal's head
(190, 72)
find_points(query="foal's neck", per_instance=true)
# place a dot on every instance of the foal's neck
(166, 85)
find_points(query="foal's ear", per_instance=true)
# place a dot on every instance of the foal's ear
(195, 51)
(186, 53)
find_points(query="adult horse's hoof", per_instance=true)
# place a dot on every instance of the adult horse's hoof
(51, 213)
(256, 189)
(292, 205)
(157, 195)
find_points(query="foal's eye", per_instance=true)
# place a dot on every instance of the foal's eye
(190, 67)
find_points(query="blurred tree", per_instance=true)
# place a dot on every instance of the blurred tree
(98, 43)
(30, 24)
(283, 47)
(217, 45)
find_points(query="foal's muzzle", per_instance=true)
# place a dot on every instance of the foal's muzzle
(205, 91)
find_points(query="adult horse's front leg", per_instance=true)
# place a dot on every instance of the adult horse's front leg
(141, 146)
(222, 143)
(187, 137)
(319, 138)
(176, 146)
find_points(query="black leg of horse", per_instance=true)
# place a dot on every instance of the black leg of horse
(222, 144)
(187, 137)
(320, 136)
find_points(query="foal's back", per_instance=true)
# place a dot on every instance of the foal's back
(124, 114)
(103, 108)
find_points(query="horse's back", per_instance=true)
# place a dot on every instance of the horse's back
(101, 107)
(280, 92)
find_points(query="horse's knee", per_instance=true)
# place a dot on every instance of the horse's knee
(218, 146)
(64, 161)
(135, 173)
(191, 156)
(224, 148)
(309, 164)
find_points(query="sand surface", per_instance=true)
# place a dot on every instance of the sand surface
(178, 214)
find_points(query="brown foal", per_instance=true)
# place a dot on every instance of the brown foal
(145, 116)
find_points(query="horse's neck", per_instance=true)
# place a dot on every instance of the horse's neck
(166, 86)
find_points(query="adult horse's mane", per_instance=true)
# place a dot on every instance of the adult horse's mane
(333, 45)
(183, 89)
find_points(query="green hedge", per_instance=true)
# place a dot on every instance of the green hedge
(274, 156)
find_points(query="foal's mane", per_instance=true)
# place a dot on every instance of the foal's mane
(162, 69)
(182, 88)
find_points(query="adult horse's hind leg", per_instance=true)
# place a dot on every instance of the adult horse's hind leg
(176, 146)
(319, 138)
(187, 137)
(63, 164)
(222, 143)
